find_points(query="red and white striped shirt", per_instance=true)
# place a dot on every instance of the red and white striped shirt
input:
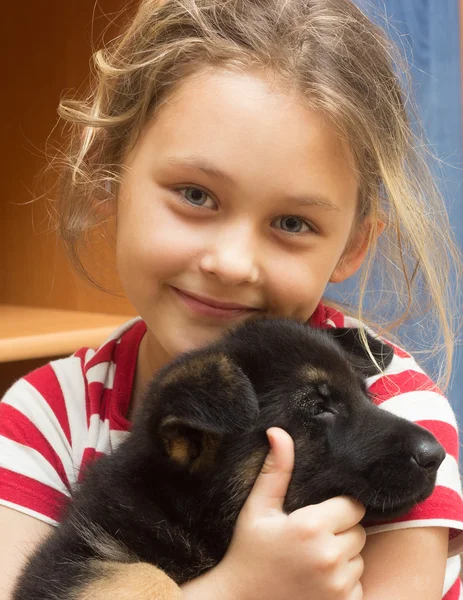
(60, 417)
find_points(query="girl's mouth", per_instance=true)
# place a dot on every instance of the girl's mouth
(207, 307)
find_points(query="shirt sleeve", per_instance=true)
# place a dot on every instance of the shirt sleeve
(36, 457)
(406, 391)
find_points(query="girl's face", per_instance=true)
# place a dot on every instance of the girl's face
(240, 195)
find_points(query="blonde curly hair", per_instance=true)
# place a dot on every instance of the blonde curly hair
(339, 62)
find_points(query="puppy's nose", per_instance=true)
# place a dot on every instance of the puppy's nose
(428, 454)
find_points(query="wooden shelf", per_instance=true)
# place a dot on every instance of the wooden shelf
(29, 332)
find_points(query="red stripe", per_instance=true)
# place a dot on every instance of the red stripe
(399, 351)
(88, 403)
(89, 456)
(388, 386)
(334, 315)
(46, 383)
(95, 400)
(17, 427)
(104, 354)
(24, 491)
(454, 591)
(126, 355)
(445, 433)
(81, 353)
(318, 316)
(444, 503)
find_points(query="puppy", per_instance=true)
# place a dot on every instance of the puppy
(161, 509)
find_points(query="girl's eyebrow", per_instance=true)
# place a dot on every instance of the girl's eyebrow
(203, 164)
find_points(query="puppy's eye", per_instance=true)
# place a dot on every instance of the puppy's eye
(317, 409)
(322, 410)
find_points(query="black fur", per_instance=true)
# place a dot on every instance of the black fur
(171, 493)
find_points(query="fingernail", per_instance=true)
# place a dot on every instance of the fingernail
(270, 438)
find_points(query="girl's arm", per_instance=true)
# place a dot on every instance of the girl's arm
(20, 534)
(405, 564)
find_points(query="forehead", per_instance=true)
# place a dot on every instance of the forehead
(248, 127)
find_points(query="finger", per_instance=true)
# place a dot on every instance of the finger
(351, 542)
(356, 567)
(357, 592)
(337, 514)
(349, 576)
(271, 485)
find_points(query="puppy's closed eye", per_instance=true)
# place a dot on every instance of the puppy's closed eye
(310, 402)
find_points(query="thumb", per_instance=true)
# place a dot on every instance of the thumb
(271, 485)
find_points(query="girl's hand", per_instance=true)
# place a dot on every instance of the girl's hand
(310, 554)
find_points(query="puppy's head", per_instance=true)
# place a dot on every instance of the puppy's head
(207, 412)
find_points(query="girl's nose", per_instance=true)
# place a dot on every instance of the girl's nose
(232, 258)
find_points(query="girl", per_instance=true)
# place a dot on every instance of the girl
(287, 122)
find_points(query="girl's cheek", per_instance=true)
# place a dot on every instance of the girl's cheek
(295, 289)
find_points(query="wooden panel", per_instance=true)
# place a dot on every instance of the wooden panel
(46, 49)
(31, 332)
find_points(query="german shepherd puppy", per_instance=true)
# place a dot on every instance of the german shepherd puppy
(161, 509)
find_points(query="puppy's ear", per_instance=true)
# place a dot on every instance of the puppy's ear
(350, 340)
(203, 396)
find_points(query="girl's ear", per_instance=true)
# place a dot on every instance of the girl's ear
(353, 258)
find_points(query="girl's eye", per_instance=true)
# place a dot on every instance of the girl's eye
(292, 224)
(195, 196)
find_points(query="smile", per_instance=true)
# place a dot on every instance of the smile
(207, 307)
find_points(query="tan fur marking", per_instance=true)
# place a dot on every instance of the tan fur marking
(243, 478)
(225, 367)
(103, 544)
(314, 375)
(250, 469)
(179, 450)
(209, 445)
(135, 581)
(198, 368)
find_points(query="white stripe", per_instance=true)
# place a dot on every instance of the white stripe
(448, 475)
(103, 442)
(102, 373)
(351, 322)
(397, 366)
(25, 398)
(117, 437)
(94, 431)
(421, 406)
(70, 377)
(452, 572)
(29, 462)
(89, 355)
(28, 511)
(101, 438)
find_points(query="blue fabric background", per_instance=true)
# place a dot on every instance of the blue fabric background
(428, 33)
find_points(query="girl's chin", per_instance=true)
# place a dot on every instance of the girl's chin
(192, 338)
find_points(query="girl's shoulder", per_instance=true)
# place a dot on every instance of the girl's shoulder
(84, 379)
(59, 417)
